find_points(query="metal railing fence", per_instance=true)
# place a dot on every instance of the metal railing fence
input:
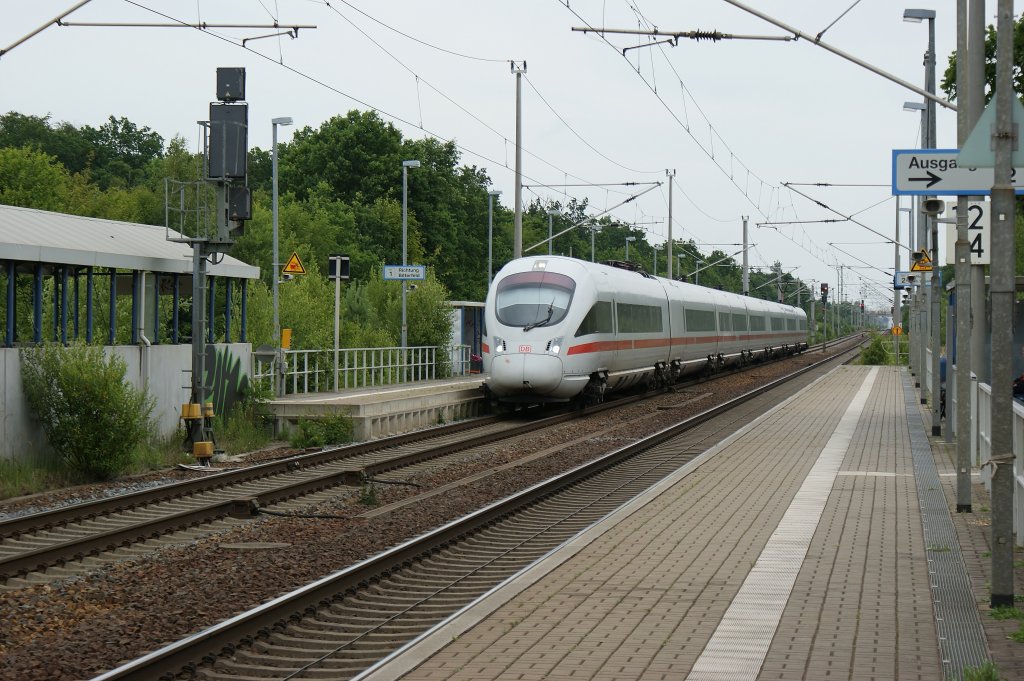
(313, 371)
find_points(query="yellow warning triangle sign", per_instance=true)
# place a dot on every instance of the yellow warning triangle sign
(922, 263)
(294, 265)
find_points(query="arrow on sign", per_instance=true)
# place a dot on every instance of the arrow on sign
(932, 179)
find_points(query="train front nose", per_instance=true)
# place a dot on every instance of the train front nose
(514, 373)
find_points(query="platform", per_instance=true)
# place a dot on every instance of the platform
(816, 543)
(380, 411)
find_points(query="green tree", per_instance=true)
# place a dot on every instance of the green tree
(948, 84)
(356, 155)
(32, 179)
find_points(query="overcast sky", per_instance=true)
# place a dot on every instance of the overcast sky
(736, 119)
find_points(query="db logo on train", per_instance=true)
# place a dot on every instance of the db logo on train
(525, 348)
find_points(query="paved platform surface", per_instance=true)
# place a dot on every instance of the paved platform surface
(816, 543)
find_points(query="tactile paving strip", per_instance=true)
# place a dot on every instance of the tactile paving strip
(738, 647)
(961, 636)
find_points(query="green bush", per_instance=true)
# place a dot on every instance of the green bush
(875, 352)
(94, 420)
(320, 432)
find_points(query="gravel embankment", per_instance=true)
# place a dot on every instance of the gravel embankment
(77, 628)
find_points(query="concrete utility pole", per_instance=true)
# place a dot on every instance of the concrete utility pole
(671, 178)
(897, 313)
(517, 240)
(1002, 292)
(746, 263)
(962, 272)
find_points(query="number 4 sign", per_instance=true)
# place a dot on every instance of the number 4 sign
(979, 233)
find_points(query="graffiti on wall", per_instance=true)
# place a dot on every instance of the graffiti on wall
(228, 382)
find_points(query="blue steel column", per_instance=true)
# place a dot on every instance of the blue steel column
(11, 312)
(136, 281)
(89, 290)
(56, 305)
(37, 306)
(63, 305)
(212, 319)
(227, 310)
(177, 302)
(76, 299)
(156, 308)
(245, 311)
(112, 330)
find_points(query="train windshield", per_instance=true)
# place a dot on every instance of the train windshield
(532, 299)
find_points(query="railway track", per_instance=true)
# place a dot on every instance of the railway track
(341, 625)
(68, 541)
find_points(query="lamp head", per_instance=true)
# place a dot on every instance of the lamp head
(494, 192)
(411, 164)
(283, 120)
(914, 106)
(916, 16)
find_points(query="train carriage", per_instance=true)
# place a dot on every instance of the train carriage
(560, 329)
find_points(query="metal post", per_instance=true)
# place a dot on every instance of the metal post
(337, 318)
(551, 216)
(1002, 292)
(962, 269)
(746, 264)
(275, 265)
(897, 313)
(405, 258)
(517, 238)
(668, 253)
(977, 33)
(405, 220)
(490, 234)
(935, 292)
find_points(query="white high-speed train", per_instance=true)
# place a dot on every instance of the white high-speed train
(559, 329)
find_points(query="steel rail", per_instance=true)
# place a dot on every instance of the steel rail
(185, 654)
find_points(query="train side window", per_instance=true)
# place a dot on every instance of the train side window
(739, 322)
(778, 324)
(803, 324)
(790, 324)
(699, 320)
(598, 320)
(757, 323)
(724, 321)
(639, 318)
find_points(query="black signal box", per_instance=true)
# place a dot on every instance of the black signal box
(230, 83)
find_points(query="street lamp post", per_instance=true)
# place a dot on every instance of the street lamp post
(278, 358)
(491, 195)
(656, 249)
(696, 271)
(405, 255)
(628, 239)
(551, 216)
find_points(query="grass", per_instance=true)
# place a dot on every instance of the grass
(1011, 614)
(19, 478)
(986, 672)
(244, 430)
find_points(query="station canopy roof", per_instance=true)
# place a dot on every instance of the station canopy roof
(29, 235)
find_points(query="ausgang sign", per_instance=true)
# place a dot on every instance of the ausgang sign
(935, 172)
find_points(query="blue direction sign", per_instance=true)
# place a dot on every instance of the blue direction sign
(405, 272)
(935, 172)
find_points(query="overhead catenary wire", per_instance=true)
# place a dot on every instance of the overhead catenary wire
(321, 83)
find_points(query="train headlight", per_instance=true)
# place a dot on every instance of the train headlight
(499, 345)
(555, 345)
